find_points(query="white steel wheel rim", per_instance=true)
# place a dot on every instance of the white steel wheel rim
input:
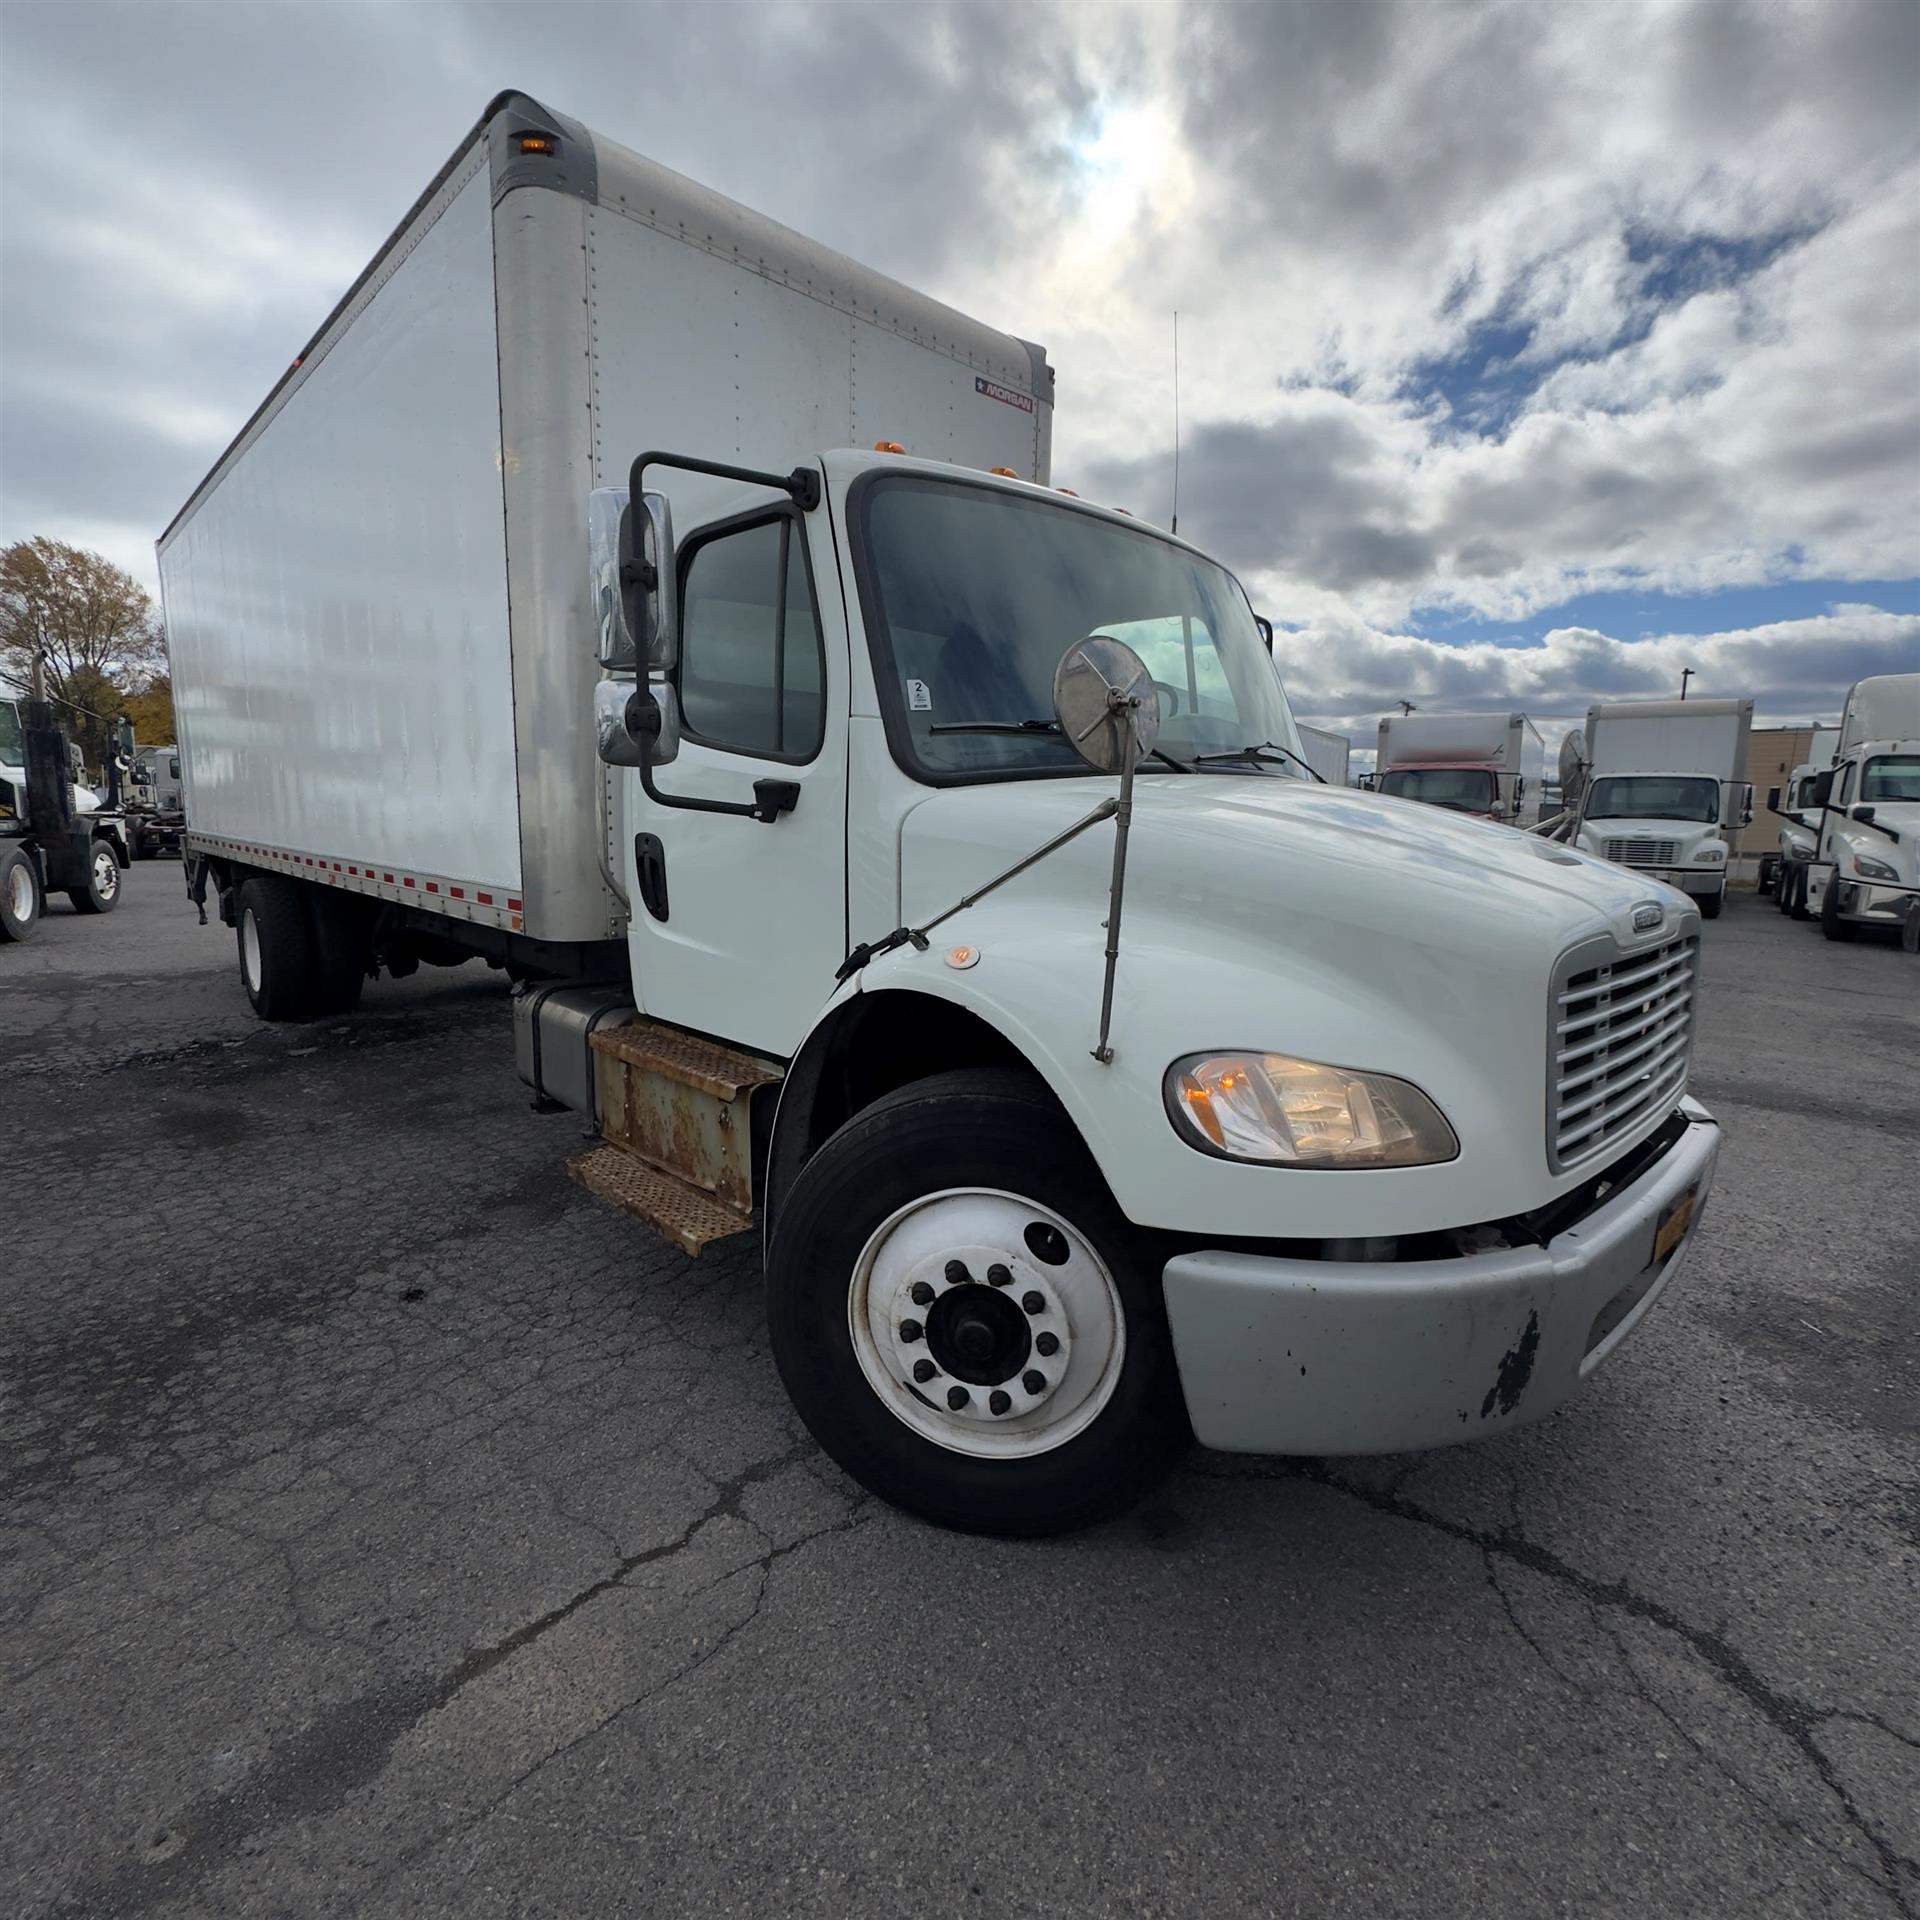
(20, 893)
(898, 1323)
(250, 949)
(106, 874)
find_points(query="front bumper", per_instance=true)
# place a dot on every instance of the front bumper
(1693, 880)
(1331, 1357)
(1882, 902)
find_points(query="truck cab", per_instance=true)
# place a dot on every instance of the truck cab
(1865, 813)
(54, 832)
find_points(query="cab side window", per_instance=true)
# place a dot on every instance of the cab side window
(1843, 787)
(751, 674)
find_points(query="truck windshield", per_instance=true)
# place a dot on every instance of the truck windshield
(972, 594)
(1654, 796)
(1467, 789)
(1893, 776)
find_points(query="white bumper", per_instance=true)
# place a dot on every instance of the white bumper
(1323, 1357)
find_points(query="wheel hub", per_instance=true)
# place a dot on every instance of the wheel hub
(987, 1323)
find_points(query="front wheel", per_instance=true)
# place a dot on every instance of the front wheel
(101, 894)
(964, 1319)
(1830, 922)
(1711, 903)
(20, 898)
(1798, 909)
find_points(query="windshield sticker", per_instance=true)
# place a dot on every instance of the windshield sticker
(919, 697)
(1005, 395)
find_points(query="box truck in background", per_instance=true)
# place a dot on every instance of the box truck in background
(1327, 753)
(1492, 765)
(1866, 812)
(1666, 789)
(543, 613)
(1780, 871)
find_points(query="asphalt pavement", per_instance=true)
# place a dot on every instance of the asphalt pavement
(388, 1528)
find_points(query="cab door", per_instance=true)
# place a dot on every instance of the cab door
(737, 924)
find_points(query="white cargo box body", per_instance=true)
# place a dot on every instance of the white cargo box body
(1674, 736)
(377, 603)
(1327, 753)
(1454, 739)
(1885, 707)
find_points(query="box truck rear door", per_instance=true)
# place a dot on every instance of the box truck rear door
(754, 919)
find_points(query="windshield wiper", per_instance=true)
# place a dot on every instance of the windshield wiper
(1042, 726)
(1261, 749)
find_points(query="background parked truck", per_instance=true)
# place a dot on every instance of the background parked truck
(55, 835)
(1327, 753)
(1782, 871)
(544, 614)
(1865, 871)
(1666, 790)
(1491, 765)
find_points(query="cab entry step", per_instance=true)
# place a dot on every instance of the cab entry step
(677, 1111)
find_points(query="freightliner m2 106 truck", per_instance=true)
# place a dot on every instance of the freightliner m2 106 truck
(1666, 790)
(905, 862)
(1490, 765)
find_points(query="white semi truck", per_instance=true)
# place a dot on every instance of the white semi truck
(1490, 765)
(55, 833)
(1781, 872)
(557, 608)
(1865, 813)
(1666, 790)
(1328, 753)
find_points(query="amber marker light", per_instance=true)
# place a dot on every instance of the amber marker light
(888, 446)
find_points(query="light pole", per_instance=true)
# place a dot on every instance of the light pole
(1686, 674)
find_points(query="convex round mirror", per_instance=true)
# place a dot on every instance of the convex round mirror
(1102, 694)
(1573, 765)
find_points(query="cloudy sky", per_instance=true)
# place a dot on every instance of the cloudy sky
(1529, 352)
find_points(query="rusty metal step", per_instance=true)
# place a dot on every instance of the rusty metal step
(683, 1214)
(682, 1105)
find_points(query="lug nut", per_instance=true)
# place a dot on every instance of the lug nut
(999, 1275)
(957, 1274)
(999, 1400)
(921, 1294)
(958, 1397)
(1034, 1301)
(1034, 1380)
(1047, 1345)
(911, 1330)
(924, 1370)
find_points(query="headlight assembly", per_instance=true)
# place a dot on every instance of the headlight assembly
(1273, 1109)
(1871, 869)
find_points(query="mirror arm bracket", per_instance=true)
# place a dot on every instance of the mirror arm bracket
(801, 486)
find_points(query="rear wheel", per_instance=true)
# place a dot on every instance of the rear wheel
(276, 963)
(338, 950)
(101, 894)
(964, 1319)
(20, 899)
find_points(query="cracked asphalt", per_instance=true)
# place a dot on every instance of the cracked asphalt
(391, 1529)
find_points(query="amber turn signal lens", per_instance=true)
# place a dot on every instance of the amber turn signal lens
(1005, 473)
(888, 446)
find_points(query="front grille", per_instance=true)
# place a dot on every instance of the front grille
(1622, 1038)
(1641, 853)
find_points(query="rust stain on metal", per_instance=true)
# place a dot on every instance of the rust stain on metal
(677, 1212)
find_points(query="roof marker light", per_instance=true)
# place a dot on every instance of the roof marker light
(888, 446)
(1005, 473)
(539, 143)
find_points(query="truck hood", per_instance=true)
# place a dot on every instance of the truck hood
(1636, 828)
(1284, 862)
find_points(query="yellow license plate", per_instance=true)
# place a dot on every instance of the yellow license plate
(1673, 1226)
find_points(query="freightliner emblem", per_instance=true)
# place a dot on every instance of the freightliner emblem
(1648, 915)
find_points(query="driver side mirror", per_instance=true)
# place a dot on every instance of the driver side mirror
(1773, 799)
(1822, 789)
(634, 726)
(1865, 815)
(648, 581)
(1266, 631)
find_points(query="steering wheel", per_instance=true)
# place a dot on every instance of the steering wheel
(1170, 697)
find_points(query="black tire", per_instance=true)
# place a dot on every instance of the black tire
(101, 894)
(1768, 878)
(996, 1130)
(1830, 922)
(337, 927)
(1783, 887)
(276, 959)
(21, 899)
(1712, 903)
(1797, 908)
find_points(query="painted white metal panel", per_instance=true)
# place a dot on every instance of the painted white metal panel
(1327, 754)
(337, 604)
(1886, 707)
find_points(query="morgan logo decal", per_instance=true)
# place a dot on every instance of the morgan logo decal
(1005, 395)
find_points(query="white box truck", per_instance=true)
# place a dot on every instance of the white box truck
(1491, 765)
(1865, 813)
(1666, 789)
(772, 784)
(1780, 871)
(1327, 753)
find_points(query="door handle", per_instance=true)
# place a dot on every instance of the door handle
(650, 868)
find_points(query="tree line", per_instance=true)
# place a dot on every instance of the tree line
(97, 631)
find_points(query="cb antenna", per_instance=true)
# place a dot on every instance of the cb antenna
(1175, 528)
